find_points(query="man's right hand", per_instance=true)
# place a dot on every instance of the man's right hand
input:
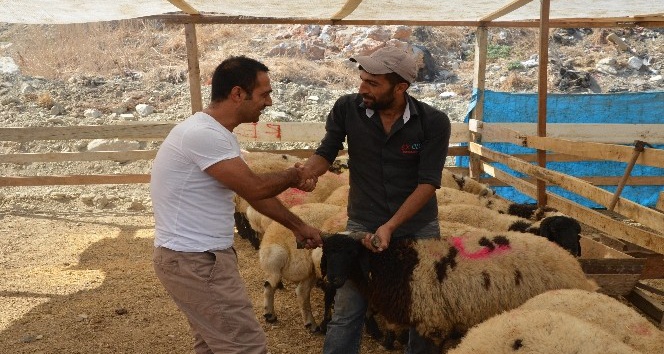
(306, 179)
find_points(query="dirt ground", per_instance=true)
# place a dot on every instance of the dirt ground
(83, 283)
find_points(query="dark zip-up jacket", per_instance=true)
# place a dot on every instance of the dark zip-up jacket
(386, 168)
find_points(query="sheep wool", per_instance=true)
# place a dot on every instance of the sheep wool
(445, 286)
(482, 218)
(339, 196)
(523, 331)
(280, 259)
(464, 183)
(611, 315)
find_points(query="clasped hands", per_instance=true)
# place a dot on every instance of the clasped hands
(306, 178)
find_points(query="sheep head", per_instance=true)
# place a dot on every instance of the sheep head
(342, 256)
(564, 231)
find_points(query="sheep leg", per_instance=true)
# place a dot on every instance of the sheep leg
(269, 287)
(303, 292)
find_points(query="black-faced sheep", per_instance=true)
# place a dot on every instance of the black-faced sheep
(445, 286)
(280, 259)
(561, 230)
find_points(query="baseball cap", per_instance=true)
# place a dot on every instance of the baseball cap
(389, 60)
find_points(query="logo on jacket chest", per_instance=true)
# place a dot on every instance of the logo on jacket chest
(411, 148)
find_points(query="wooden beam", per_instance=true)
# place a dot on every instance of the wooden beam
(646, 21)
(185, 7)
(194, 68)
(73, 180)
(634, 211)
(648, 305)
(649, 157)
(495, 132)
(583, 132)
(269, 131)
(119, 156)
(606, 224)
(346, 10)
(514, 5)
(595, 181)
(138, 131)
(479, 84)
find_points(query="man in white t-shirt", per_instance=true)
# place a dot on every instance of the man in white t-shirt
(195, 175)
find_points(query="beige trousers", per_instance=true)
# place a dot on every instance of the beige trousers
(208, 289)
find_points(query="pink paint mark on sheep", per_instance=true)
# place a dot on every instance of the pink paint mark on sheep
(292, 197)
(484, 252)
(641, 329)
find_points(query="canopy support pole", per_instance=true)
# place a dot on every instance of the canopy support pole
(194, 69)
(542, 88)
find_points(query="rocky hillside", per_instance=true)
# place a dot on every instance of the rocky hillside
(99, 74)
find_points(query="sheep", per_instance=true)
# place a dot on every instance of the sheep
(258, 162)
(561, 230)
(446, 195)
(326, 185)
(604, 311)
(445, 286)
(280, 259)
(464, 183)
(539, 332)
(339, 196)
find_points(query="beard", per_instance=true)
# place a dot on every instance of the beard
(378, 103)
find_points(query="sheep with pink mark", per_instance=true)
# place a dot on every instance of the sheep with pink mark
(445, 286)
(327, 183)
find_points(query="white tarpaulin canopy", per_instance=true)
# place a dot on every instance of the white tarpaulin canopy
(436, 12)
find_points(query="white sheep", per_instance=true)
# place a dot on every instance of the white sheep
(483, 218)
(464, 183)
(539, 332)
(611, 315)
(339, 196)
(326, 185)
(259, 162)
(280, 259)
(443, 286)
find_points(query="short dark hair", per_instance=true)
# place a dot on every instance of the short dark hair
(235, 71)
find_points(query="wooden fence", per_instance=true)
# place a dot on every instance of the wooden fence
(565, 142)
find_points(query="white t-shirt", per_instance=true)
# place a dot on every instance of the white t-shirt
(193, 211)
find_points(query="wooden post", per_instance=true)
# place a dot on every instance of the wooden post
(660, 202)
(542, 89)
(194, 69)
(475, 166)
(638, 148)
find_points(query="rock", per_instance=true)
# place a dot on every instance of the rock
(656, 80)
(8, 66)
(92, 113)
(635, 63)
(144, 110)
(112, 145)
(57, 109)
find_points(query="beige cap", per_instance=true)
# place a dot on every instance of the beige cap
(389, 60)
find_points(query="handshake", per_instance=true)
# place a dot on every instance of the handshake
(306, 178)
